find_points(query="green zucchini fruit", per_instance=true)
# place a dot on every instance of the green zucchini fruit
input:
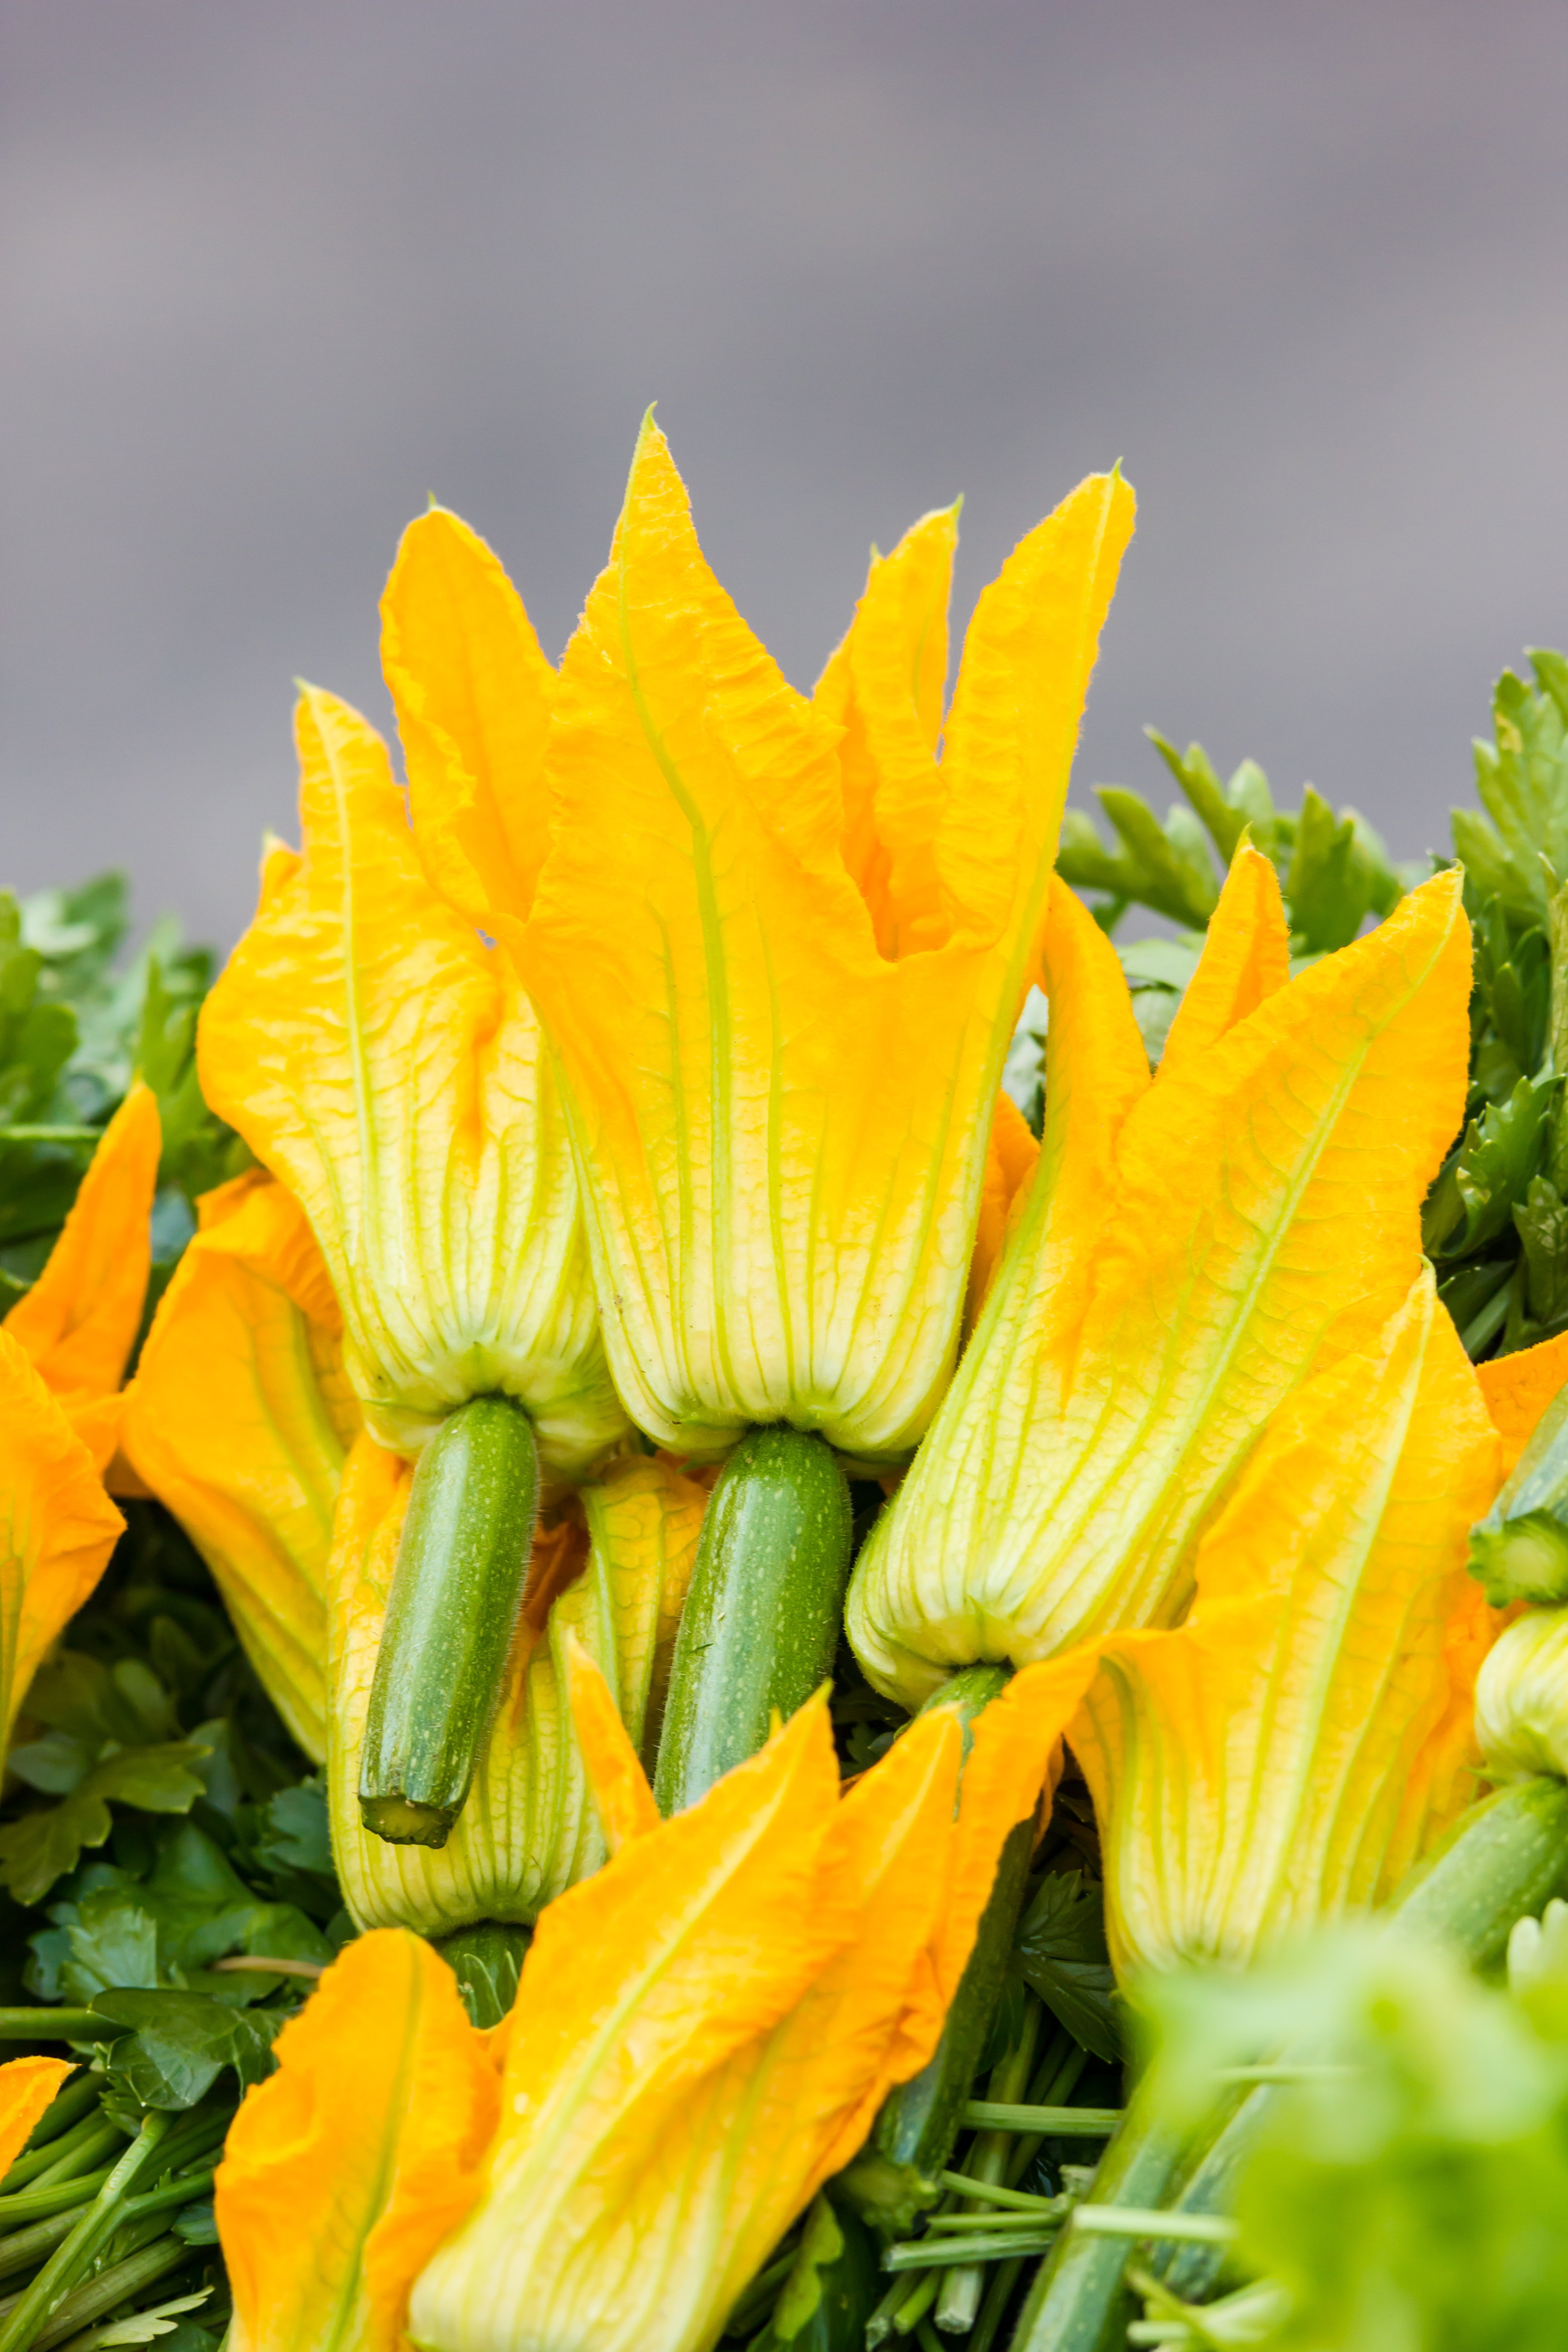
(457, 1590)
(760, 1628)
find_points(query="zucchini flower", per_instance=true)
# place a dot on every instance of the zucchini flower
(381, 1061)
(240, 1421)
(1191, 1251)
(58, 1526)
(78, 1321)
(345, 2169)
(779, 944)
(613, 1570)
(1286, 1754)
(702, 2034)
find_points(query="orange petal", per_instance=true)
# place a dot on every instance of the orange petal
(622, 1797)
(1246, 957)
(1009, 1164)
(472, 692)
(78, 1321)
(1518, 1388)
(345, 2169)
(239, 1420)
(885, 685)
(58, 1526)
(27, 2088)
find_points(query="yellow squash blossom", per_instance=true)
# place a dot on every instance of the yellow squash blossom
(381, 1061)
(78, 1321)
(240, 1421)
(703, 2033)
(779, 944)
(344, 2170)
(1190, 1251)
(1286, 1753)
(612, 1570)
(58, 1526)
(27, 2086)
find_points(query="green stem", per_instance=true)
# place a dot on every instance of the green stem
(959, 2298)
(39, 2303)
(760, 1628)
(457, 1590)
(1053, 2123)
(96, 2297)
(1502, 1860)
(898, 2174)
(53, 2025)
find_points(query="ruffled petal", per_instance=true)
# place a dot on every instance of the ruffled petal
(383, 1063)
(27, 2088)
(345, 2169)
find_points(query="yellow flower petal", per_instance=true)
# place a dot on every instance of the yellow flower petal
(1009, 1164)
(528, 1829)
(1260, 1221)
(382, 1062)
(623, 1796)
(1096, 1071)
(473, 694)
(781, 1130)
(58, 1526)
(345, 2169)
(27, 2088)
(1246, 957)
(705, 2030)
(79, 1320)
(884, 686)
(1256, 1770)
(1518, 1388)
(240, 1421)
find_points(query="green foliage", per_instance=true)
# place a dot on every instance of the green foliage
(74, 1029)
(1062, 1957)
(1521, 779)
(1496, 1221)
(1333, 869)
(832, 2287)
(1409, 2189)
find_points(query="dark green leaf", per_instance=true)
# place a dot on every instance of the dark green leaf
(42, 1846)
(175, 2045)
(1061, 1954)
(831, 2291)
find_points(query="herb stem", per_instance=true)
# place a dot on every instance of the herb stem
(39, 2303)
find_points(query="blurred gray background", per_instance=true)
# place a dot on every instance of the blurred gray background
(271, 270)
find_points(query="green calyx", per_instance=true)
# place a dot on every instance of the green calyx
(760, 1628)
(456, 1593)
(1520, 1550)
